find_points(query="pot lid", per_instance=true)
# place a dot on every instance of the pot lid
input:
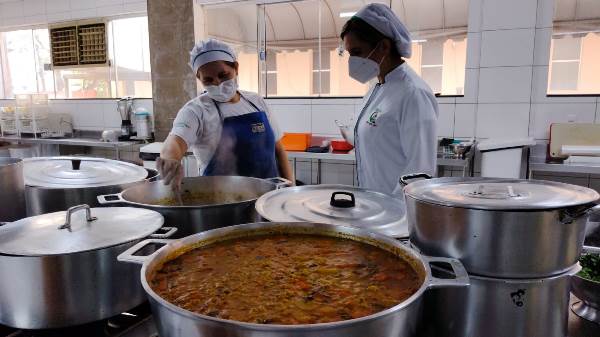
(78, 172)
(335, 204)
(47, 234)
(500, 194)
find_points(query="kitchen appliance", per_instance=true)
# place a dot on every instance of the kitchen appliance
(494, 307)
(57, 183)
(338, 205)
(229, 200)
(398, 321)
(60, 269)
(124, 107)
(588, 293)
(12, 190)
(574, 139)
(504, 228)
(143, 124)
(502, 158)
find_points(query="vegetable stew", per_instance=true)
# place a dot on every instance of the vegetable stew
(286, 279)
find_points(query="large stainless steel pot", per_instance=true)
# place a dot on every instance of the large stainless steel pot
(337, 205)
(500, 307)
(12, 190)
(60, 269)
(398, 321)
(198, 218)
(57, 183)
(500, 227)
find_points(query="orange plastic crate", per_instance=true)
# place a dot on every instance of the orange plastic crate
(296, 141)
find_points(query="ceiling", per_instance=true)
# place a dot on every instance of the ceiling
(299, 20)
(576, 10)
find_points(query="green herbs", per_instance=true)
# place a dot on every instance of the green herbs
(591, 267)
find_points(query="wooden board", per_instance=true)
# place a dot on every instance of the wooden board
(572, 134)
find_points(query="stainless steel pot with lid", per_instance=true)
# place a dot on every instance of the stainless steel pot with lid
(504, 228)
(336, 204)
(60, 269)
(57, 183)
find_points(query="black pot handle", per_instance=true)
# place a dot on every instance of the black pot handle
(76, 164)
(404, 180)
(342, 203)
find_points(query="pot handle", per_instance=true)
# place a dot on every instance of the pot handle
(279, 182)
(591, 249)
(130, 254)
(461, 279)
(169, 231)
(404, 180)
(110, 199)
(567, 217)
(71, 210)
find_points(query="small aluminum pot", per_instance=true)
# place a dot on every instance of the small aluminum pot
(503, 228)
(12, 190)
(60, 269)
(500, 307)
(194, 219)
(398, 321)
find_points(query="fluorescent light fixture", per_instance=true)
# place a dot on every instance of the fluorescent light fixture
(347, 14)
(419, 41)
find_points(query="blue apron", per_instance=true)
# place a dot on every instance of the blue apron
(246, 147)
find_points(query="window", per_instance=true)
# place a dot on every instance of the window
(575, 49)
(25, 65)
(296, 47)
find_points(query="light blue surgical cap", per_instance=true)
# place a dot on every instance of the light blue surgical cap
(208, 51)
(382, 18)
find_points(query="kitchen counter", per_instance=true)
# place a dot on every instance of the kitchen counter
(86, 140)
(345, 156)
(538, 164)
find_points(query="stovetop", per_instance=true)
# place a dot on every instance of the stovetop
(137, 322)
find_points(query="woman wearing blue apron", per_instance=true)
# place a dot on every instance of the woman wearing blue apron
(231, 132)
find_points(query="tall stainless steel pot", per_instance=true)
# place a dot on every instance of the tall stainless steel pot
(500, 307)
(60, 269)
(198, 218)
(12, 190)
(500, 227)
(57, 183)
(398, 321)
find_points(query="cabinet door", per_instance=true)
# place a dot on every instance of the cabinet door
(336, 173)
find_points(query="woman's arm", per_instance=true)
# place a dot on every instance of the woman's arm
(282, 163)
(169, 164)
(173, 148)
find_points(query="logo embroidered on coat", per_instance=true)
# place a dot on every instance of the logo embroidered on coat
(372, 121)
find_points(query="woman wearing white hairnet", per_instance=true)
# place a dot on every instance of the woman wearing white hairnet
(231, 132)
(395, 133)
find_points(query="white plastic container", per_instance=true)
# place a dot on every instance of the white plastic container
(502, 158)
(142, 123)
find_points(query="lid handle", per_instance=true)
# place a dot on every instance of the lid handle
(342, 203)
(70, 211)
(76, 164)
(404, 180)
(480, 192)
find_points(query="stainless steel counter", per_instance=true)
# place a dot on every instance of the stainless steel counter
(86, 141)
(535, 165)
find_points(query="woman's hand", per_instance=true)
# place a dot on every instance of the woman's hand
(171, 171)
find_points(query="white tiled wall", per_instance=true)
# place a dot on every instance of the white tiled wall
(36, 12)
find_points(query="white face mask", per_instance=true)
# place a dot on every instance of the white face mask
(224, 92)
(363, 69)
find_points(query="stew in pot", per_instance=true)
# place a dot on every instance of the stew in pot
(286, 279)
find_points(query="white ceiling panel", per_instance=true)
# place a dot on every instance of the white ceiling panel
(587, 9)
(456, 13)
(424, 14)
(286, 22)
(309, 14)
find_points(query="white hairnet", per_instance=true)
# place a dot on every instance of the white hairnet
(208, 51)
(382, 18)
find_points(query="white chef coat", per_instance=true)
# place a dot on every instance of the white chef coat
(396, 131)
(198, 123)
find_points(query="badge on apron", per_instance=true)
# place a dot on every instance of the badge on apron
(258, 128)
